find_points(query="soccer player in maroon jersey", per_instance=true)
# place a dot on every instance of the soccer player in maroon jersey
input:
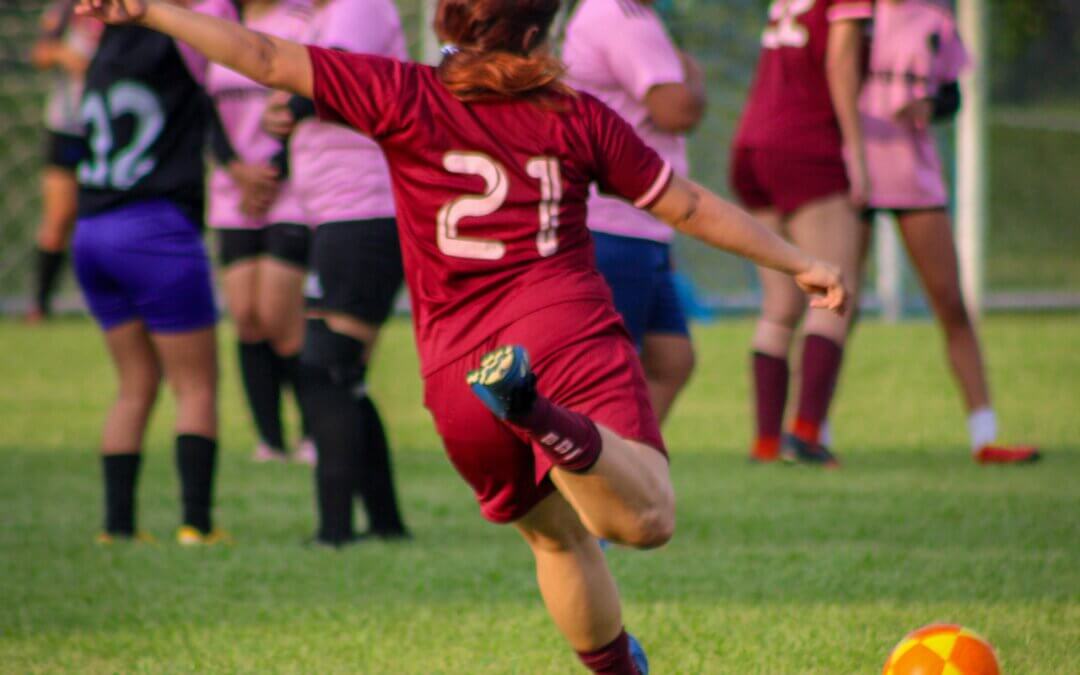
(491, 159)
(799, 165)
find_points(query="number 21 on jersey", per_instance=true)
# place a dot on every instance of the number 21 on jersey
(496, 188)
(784, 29)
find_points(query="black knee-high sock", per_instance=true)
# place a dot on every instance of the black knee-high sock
(376, 479)
(337, 435)
(196, 461)
(121, 474)
(289, 367)
(49, 265)
(262, 385)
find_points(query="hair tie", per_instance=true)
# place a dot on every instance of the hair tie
(449, 49)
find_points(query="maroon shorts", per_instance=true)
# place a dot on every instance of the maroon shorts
(774, 179)
(583, 359)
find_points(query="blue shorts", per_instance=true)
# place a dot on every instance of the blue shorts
(144, 261)
(639, 274)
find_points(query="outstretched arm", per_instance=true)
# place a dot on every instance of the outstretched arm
(695, 211)
(276, 63)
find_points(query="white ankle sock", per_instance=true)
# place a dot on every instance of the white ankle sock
(982, 427)
(825, 434)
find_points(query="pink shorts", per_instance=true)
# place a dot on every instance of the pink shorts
(583, 360)
(772, 179)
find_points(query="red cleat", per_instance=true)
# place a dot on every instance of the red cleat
(1020, 454)
(765, 450)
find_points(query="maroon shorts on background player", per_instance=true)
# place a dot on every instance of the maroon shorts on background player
(771, 179)
(583, 359)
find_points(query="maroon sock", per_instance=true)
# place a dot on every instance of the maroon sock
(771, 375)
(569, 439)
(820, 367)
(612, 659)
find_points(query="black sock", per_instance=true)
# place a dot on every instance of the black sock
(336, 434)
(49, 265)
(376, 479)
(196, 460)
(289, 367)
(121, 473)
(262, 385)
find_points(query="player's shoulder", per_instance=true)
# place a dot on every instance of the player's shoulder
(606, 11)
(841, 10)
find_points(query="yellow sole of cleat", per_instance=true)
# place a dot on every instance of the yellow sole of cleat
(493, 367)
(189, 536)
(106, 539)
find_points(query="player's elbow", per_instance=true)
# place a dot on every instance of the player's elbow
(675, 108)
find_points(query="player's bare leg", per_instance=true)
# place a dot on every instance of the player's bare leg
(279, 305)
(668, 361)
(189, 361)
(928, 237)
(138, 376)
(782, 307)
(576, 584)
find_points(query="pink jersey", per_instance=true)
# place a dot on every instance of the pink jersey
(339, 174)
(617, 50)
(915, 50)
(240, 104)
(789, 107)
(491, 197)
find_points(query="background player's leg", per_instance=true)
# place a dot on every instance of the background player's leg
(782, 307)
(626, 497)
(138, 377)
(59, 192)
(353, 452)
(280, 307)
(190, 364)
(929, 241)
(668, 361)
(258, 363)
(576, 585)
(829, 229)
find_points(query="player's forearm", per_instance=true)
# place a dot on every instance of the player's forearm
(843, 71)
(699, 213)
(271, 61)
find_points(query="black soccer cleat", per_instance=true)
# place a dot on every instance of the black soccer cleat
(795, 450)
(504, 382)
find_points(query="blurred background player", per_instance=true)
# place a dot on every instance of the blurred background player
(343, 184)
(140, 260)
(915, 59)
(65, 47)
(503, 170)
(262, 239)
(798, 164)
(619, 52)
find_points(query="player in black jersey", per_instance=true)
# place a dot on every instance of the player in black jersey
(140, 261)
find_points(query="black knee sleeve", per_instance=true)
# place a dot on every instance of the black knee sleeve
(341, 356)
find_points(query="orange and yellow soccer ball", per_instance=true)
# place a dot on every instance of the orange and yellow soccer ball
(942, 649)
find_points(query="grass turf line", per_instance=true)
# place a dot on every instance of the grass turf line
(773, 569)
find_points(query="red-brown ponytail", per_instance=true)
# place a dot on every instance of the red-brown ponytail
(496, 49)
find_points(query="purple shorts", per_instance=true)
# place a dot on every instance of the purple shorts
(145, 261)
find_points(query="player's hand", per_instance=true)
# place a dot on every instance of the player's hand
(277, 118)
(113, 11)
(916, 114)
(825, 285)
(859, 180)
(258, 185)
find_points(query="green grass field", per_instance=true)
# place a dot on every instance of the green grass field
(772, 570)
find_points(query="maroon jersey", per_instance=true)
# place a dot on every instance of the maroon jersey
(789, 106)
(490, 196)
